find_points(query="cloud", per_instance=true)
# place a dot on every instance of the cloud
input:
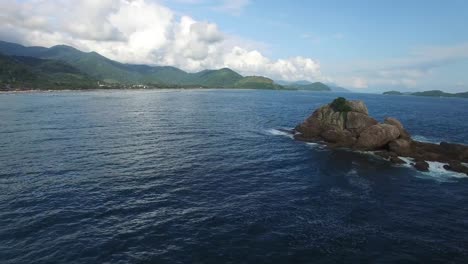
(406, 73)
(234, 7)
(143, 31)
(253, 62)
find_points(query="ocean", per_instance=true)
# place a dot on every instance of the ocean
(208, 176)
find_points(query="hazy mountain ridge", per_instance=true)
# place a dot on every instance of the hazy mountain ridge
(312, 86)
(430, 93)
(316, 87)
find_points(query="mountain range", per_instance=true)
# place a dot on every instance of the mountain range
(66, 67)
(312, 86)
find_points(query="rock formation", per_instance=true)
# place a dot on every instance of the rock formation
(344, 123)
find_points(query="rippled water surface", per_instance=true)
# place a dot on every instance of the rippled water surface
(206, 177)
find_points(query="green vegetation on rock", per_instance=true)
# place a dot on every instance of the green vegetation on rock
(340, 105)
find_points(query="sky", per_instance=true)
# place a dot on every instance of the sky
(363, 45)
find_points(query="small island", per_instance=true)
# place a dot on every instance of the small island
(393, 93)
(347, 124)
(314, 87)
(431, 93)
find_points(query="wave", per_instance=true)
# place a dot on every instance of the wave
(426, 139)
(280, 132)
(316, 146)
(436, 171)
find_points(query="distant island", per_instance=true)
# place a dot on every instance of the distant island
(312, 86)
(393, 93)
(315, 87)
(432, 93)
(64, 67)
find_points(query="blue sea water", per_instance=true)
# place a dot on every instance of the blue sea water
(206, 176)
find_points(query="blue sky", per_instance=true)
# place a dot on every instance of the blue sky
(339, 33)
(367, 46)
(374, 29)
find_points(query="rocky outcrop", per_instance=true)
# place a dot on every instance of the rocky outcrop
(421, 165)
(356, 122)
(358, 107)
(377, 136)
(395, 122)
(344, 123)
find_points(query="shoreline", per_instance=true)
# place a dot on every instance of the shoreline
(116, 89)
(131, 89)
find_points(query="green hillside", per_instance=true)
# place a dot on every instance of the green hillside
(33, 73)
(111, 71)
(256, 82)
(116, 74)
(223, 78)
(13, 72)
(315, 87)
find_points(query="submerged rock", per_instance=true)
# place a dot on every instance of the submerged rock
(344, 123)
(421, 165)
(456, 166)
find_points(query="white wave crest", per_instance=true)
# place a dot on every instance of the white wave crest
(316, 146)
(276, 132)
(426, 139)
(436, 171)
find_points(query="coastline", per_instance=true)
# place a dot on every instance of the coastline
(129, 89)
(107, 89)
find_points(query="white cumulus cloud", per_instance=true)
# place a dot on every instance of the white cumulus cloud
(143, 31)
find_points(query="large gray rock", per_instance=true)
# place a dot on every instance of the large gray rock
(421, 165)
(395, 122)
(329, 118)
(358, 106)
(357, 122)
(352, 127)
(310, 128)
(339, 137)
(400, 146)
(324, 118)
(377, 136)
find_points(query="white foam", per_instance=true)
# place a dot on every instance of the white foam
(436, 171)
(425, 139)
(315, 145)
(335, 191)
(277, 132)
